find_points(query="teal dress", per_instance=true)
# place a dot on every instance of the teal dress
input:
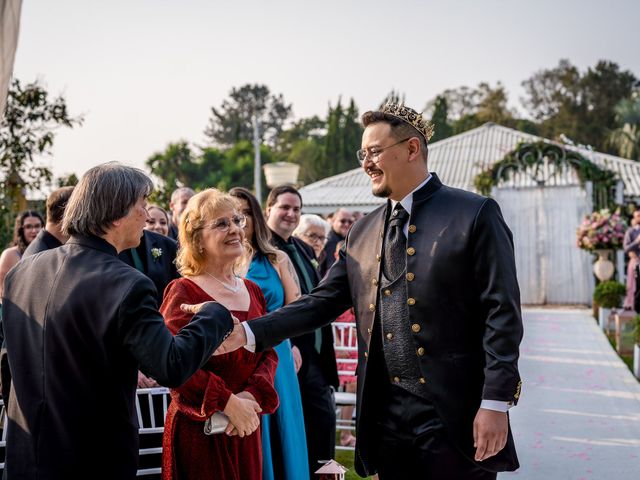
(284, 444)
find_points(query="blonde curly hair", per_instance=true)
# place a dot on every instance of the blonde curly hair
(202, 209)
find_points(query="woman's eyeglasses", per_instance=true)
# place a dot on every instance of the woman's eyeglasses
(223, 224)
(315, 238)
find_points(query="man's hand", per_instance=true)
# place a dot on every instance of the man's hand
(490, 430)
(236, 339)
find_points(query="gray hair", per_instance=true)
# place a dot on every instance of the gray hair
(104, 194)
(308, 220)
(179, 191)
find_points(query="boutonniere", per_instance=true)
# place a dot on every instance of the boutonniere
(315, 263)
(156, 253)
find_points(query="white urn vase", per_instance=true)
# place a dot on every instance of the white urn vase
(603, 268)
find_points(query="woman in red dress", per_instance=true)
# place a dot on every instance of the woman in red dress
(240, 383)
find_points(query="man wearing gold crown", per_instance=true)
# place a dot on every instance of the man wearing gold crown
(432, 278)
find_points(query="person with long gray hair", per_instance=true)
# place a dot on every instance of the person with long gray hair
(73, 350)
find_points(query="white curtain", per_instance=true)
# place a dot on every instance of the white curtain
(9, 27)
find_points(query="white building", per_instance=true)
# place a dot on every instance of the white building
(551, 269)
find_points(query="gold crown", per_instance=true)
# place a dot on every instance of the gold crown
(410, 116)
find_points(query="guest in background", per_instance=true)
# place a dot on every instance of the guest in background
(341, 222)
(155, 257)
(26, 228)
(157, 220)
(631, 245)
(284, 446)
(177, 204)
(51, 236)
(240, 384)
(318, 375)
(313, 231)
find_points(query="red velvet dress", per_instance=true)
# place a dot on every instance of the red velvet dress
(189, 454)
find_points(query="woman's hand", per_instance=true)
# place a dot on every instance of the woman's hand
(297, 358)
(243, 415)
(146, 382)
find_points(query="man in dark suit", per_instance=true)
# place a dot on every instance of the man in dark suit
(179, 199)
(318, 374)
(78, 325)
(431, 275)
(51, 235)
(340, 222)
(155, 257)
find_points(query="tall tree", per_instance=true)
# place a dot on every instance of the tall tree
(233, 120)
(180, 166)
(352, 138)
(392, 97)
(626, 138)
(580, 106)
(440, 119)
(27, 131)
(333, 145)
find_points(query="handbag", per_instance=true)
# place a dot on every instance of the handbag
(216, 423)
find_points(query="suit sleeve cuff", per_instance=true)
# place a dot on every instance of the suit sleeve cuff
(251, 338)
(496, 405)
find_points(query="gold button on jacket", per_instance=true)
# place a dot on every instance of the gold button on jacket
(410, 277)
(411, 301)
(411, 251)
(415, 327)
(412, 229)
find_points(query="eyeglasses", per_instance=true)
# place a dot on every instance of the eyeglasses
(315, 238)
(223, 224)
(374, 152)
(348, 221)
(31, 226)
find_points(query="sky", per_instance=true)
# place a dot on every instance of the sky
(145, 73)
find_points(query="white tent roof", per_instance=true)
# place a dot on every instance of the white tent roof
(457, 160)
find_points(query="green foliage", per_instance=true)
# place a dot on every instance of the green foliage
(626, 138)
(581, 106)
(609, 294)
(468, 108)
(233, 121)
(392, 97)
(530, 158)
(180, 166)
(70, 180)
(440, 119)
(303, 144)
(344, 135)
(27, 132)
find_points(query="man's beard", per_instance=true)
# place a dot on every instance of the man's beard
(383, 192)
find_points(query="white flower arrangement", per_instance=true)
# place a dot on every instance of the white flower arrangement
(156, 253)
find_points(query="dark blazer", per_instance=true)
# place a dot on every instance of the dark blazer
(330, 250)
(326, 359)
(78, 325)
(44, 241)
(464, 311)
(160, 269)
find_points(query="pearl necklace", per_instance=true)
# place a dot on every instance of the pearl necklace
(232, 288)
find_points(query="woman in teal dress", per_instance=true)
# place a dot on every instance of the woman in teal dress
(284, 445)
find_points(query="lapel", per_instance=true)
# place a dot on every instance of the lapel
(153, 266)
